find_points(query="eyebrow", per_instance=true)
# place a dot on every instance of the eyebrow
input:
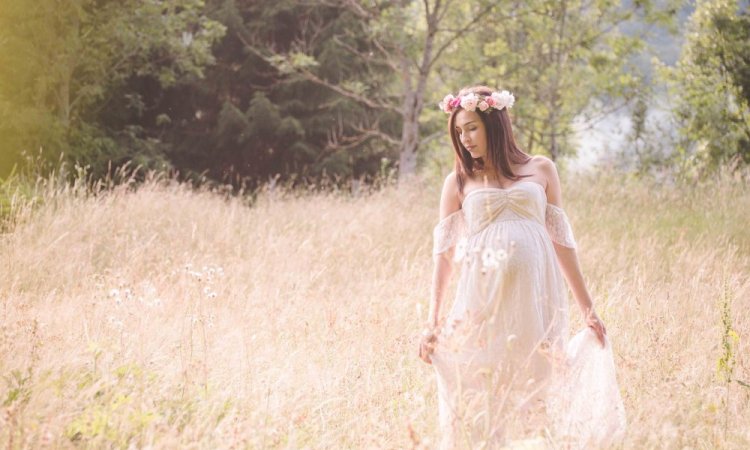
(472, 121)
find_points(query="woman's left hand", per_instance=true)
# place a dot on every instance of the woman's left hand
(596, 324)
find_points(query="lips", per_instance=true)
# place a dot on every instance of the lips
(470, 147)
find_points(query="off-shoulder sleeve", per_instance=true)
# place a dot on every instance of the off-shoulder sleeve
(448, 232)
(558, 226)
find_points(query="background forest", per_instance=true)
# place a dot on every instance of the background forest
(205, 241)
(245, 91)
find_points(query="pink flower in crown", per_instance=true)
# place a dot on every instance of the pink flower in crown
(446, 104)
(469, 102)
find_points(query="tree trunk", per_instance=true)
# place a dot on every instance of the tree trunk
(412, 108)
(414, 99)
(553, 151)
(555, 100)
(407, 167)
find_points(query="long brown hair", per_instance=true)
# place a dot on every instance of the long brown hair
(502, 149)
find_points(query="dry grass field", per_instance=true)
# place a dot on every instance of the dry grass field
(165, 317)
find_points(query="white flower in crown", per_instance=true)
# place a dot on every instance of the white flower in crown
(469, 101)
(502, 99)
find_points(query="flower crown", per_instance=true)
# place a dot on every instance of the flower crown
(472, 101)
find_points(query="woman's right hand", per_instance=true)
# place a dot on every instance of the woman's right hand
(427, 343)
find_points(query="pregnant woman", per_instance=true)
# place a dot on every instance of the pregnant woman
(507, 372)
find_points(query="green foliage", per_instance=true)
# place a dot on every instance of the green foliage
(556, 57)
(17, 385)
(710, 86)
(730, 340)
(289, 64)
(238, 90)
(254, 117)
(70, 61)
(560, 59)
(114, 415)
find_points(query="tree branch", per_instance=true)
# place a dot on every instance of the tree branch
(455, 36)
(308, 75)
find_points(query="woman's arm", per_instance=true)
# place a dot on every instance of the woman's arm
(569, 266)
(568, 258)
(449, 203)
(441, 276)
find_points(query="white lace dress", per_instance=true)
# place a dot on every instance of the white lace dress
(507, 374)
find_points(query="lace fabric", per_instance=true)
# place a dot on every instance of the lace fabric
(588, 410)
(558, 226)
(452, 228)
(448, 232)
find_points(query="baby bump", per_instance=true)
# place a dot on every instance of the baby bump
(500, 262)
(512, 246)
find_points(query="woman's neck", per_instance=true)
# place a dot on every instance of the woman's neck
(485, 175)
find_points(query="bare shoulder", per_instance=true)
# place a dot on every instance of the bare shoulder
(548, 169)
(544, 164)
(451, 179)
(449, 200)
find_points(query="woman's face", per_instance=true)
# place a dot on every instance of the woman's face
(471, 132)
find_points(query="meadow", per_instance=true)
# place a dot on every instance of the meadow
(161, 316)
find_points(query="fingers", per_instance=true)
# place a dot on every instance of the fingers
(593, 321)
(600, 331)
(603, 334)
(424, 355)
(426, 348)
(599, 328)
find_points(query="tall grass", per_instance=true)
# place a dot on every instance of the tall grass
(163, 316)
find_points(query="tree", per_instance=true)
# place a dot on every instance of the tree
(409, 37)
(68, 63)
(562, 59)
(710, 85)
(251, 118)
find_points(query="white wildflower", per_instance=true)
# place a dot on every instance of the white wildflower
(460, 250)
(488, 258)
